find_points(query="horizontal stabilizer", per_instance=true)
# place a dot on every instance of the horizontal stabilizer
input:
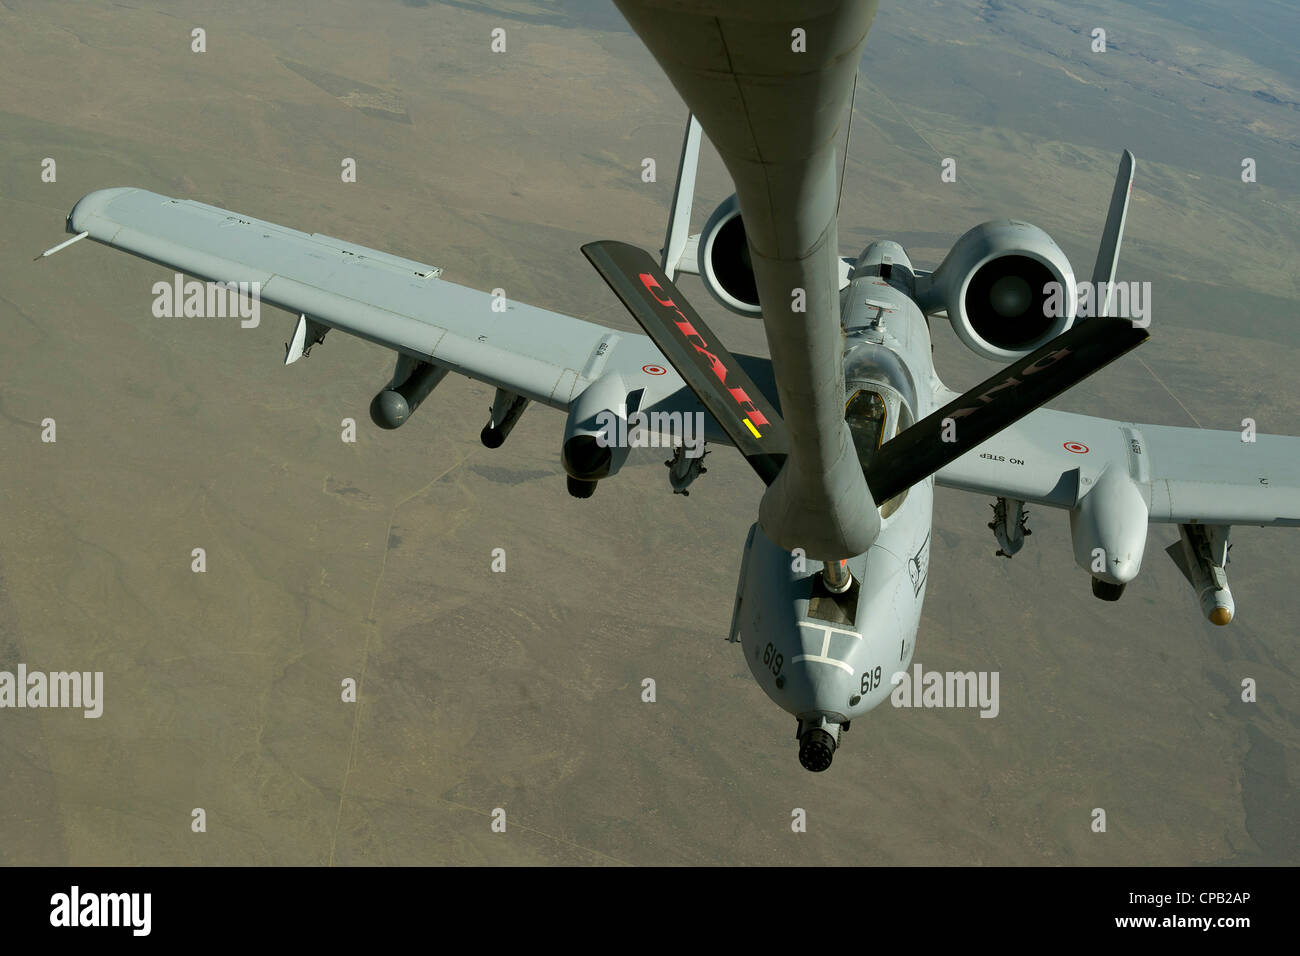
(711, 372)
(1000, 400)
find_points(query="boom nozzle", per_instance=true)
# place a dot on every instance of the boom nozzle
(837, 576)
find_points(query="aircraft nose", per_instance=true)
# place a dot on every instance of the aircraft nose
(813, 686)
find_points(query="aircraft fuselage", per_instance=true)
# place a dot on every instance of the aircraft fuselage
(824, 657)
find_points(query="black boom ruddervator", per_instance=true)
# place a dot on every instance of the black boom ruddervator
(915, 453)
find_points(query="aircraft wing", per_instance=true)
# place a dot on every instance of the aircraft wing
(393, 302)
(1188, 475)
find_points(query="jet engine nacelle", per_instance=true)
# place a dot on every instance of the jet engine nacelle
(724, 264)
(595, 434)
(1109, 531)
(1007, 287)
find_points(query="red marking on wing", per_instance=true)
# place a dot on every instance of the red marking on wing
(692, 335)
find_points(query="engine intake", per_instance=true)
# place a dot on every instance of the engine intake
(1007, 288)
(725, 266)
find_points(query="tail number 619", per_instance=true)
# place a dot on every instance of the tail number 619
(870, 680)
(773, 659)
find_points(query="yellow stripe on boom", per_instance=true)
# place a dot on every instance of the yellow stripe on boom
(752, 428)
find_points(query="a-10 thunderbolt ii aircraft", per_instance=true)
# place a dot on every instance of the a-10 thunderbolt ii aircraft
(834, 571)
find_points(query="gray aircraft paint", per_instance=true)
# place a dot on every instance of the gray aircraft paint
(824, 664)
(1182, 475)
(1191, 477)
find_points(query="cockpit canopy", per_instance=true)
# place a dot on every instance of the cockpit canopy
(867, 415)
(869, 363)
(881, 397)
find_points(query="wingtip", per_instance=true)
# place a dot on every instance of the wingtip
(91, 205)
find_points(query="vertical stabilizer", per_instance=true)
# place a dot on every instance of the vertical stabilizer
(679, 217)
(1111, 236)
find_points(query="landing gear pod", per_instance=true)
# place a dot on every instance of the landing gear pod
(595, 435)
(412, 382)
(1109, 531)
(579, 488)
(1106, 591)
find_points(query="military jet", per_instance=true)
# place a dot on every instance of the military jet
(851, 427)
